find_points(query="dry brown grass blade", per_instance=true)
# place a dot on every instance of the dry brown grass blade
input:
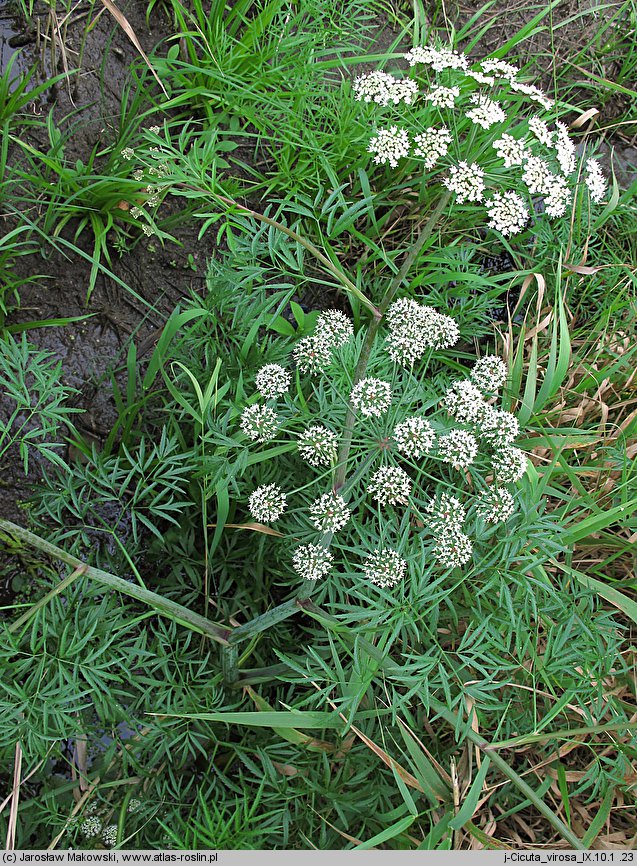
(121, 19)
(15, 798)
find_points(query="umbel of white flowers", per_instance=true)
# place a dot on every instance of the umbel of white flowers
(480, 428)
(527, 166)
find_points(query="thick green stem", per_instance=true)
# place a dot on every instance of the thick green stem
(163, 606)
(363, 360)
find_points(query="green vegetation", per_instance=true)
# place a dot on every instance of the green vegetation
(168, 676)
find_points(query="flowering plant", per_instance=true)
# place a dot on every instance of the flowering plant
(406, 474)
(413, 470)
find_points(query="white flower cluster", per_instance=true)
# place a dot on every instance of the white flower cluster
(109, 835)
(495, 505)
(389, 145)
(390, 485)
(414, 437)
(437, 58)
(432, 145)
(507, 212)
(453, 548)
(545, 152)
(372, 397)
(487, 111)
(318, 445)
(464, 401)
(445, 518)
(383, 89)
(384, 567)
(312, 561)
(509, 464)
(489, 373)
(497, 427)
(272, 380)
(458, 447)
(329, 512)
(259, 422)
(467, 181)
(414, 328)
(443, 511)
(267, 503)
(91, 827)
(443, 97)
(595, 180)
(313, 354)
(510, 149)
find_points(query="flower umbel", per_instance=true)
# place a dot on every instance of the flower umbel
(259, 422)
(389, 145)
(329, 512)
(311, 561)
(267, 503)
(384, 567)
(372, 397)
(467, 181)
(452, 548)
(458, 448)
(414, 437)
(272, 380)
(318, 445)
(390, 485)
(489, 373)
(495, 505)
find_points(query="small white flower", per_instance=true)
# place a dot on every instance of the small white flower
(372, 397)
(510, 149)
(489, 373)
(499, 68)
(487, 111)
(384, 567)
(452, 548)
(467, 181)
(498, 427)
(509, 464)
(541, 131)
(272, 380)
(557, 196)
(334, 328)
(390, 485)
(329, 512)
(91, 827)
(267, 503)
(318, 446)
(259, 422)
(464, 401)
(495, 506)
(127, 153)
(432, 144)
(444, 512)
(508, 213)
(134, 805)
(109, 835)
(148, 230)
(382, 88)
(138, 174)
(414, 437)
(595, 180)
(311, 561)
(458, 448)
(443, 97)
(312, 355)
(389, 145)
